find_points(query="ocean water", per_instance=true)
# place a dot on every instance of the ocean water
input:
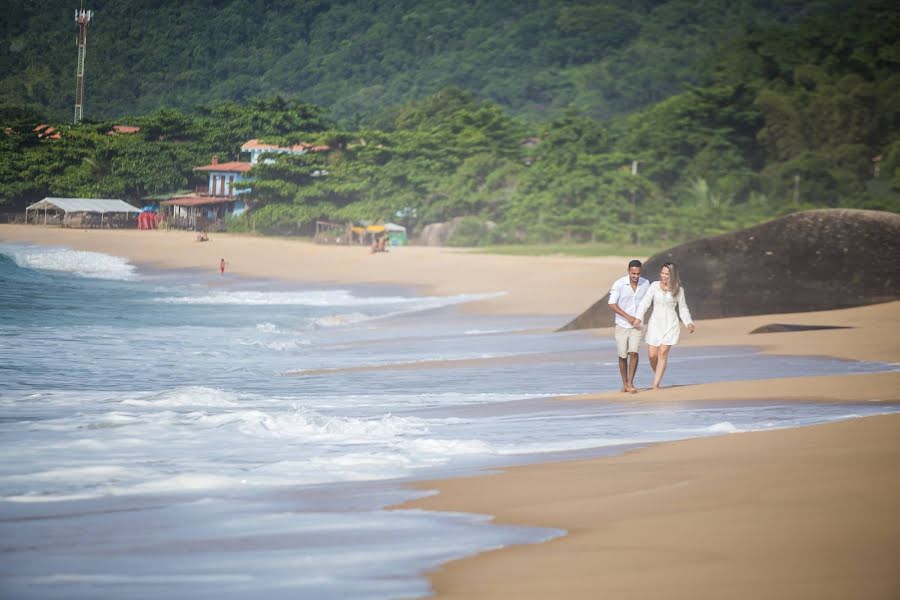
(194, 435)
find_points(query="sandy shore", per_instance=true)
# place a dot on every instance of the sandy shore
(557, 285)
(802, 513)
(799, 513)
(871, 333)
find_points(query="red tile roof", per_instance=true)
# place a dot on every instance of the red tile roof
(122, 129)
(229, 167)
(255, 144)
(46, 131)
(195, 200)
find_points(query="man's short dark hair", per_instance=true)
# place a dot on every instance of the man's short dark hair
(634, 263)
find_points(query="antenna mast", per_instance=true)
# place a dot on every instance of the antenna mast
(82, 17)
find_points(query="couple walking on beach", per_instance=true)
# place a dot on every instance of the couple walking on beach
(629, 298)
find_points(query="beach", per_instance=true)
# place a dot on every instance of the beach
(803, 513)
(806, 512)
(533, 285)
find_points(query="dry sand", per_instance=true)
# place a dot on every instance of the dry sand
(873, 333)
(800, 513)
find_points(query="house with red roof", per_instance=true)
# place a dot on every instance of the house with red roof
(256, 149)
(210, 204)
(46, 132)
(225, 178)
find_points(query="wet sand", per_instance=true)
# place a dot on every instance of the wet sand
(798, 513)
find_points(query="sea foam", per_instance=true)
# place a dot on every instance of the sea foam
(78, 262)
(322, 298)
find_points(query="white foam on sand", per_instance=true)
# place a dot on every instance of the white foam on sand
(723, 427)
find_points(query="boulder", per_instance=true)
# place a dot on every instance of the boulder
(437, 234)
(813, 260)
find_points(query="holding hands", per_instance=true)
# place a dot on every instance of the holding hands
(636, 323)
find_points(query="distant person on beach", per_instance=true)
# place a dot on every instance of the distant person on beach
(202, 237)
(663, 329)
(625, 296)
(222, 266)
(380, 244)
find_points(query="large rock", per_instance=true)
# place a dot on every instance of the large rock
(814, 260)
(437, 234)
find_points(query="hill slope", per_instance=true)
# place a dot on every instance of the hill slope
(358, 58)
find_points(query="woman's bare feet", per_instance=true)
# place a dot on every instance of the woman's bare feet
(631, 389)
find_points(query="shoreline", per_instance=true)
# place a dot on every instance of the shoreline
(863, 388)
(546, 286)
(643, 561)
(804, 512)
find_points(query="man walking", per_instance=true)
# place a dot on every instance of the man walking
(624, 297)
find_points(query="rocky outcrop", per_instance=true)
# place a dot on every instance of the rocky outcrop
(437, 234)
(813, 260)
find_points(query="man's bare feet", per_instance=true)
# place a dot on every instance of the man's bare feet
(631, 389)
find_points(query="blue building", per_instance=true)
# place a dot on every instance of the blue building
(210, 204)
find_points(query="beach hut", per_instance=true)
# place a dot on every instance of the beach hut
(396, 234)
(82, 212)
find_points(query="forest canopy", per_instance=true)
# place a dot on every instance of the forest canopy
(360, 58)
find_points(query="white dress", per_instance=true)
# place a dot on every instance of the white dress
(663, 327)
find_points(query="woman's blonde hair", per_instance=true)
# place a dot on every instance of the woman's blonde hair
(674, 279)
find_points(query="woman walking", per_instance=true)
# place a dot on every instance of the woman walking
(663, 329)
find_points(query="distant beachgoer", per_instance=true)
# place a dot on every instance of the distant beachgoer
(202, 237)
(222, 266)
(663, 329)
(380, 244)
(625, 296)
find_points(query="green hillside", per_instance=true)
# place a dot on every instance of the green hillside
(358, 58)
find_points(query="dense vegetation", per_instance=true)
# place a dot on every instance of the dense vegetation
(361, 58)
(779, 118)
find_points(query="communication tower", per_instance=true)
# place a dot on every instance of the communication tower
(82, 17)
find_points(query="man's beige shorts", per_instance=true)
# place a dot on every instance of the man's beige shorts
(628, 339)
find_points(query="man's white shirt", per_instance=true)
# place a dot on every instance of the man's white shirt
(627, 298)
